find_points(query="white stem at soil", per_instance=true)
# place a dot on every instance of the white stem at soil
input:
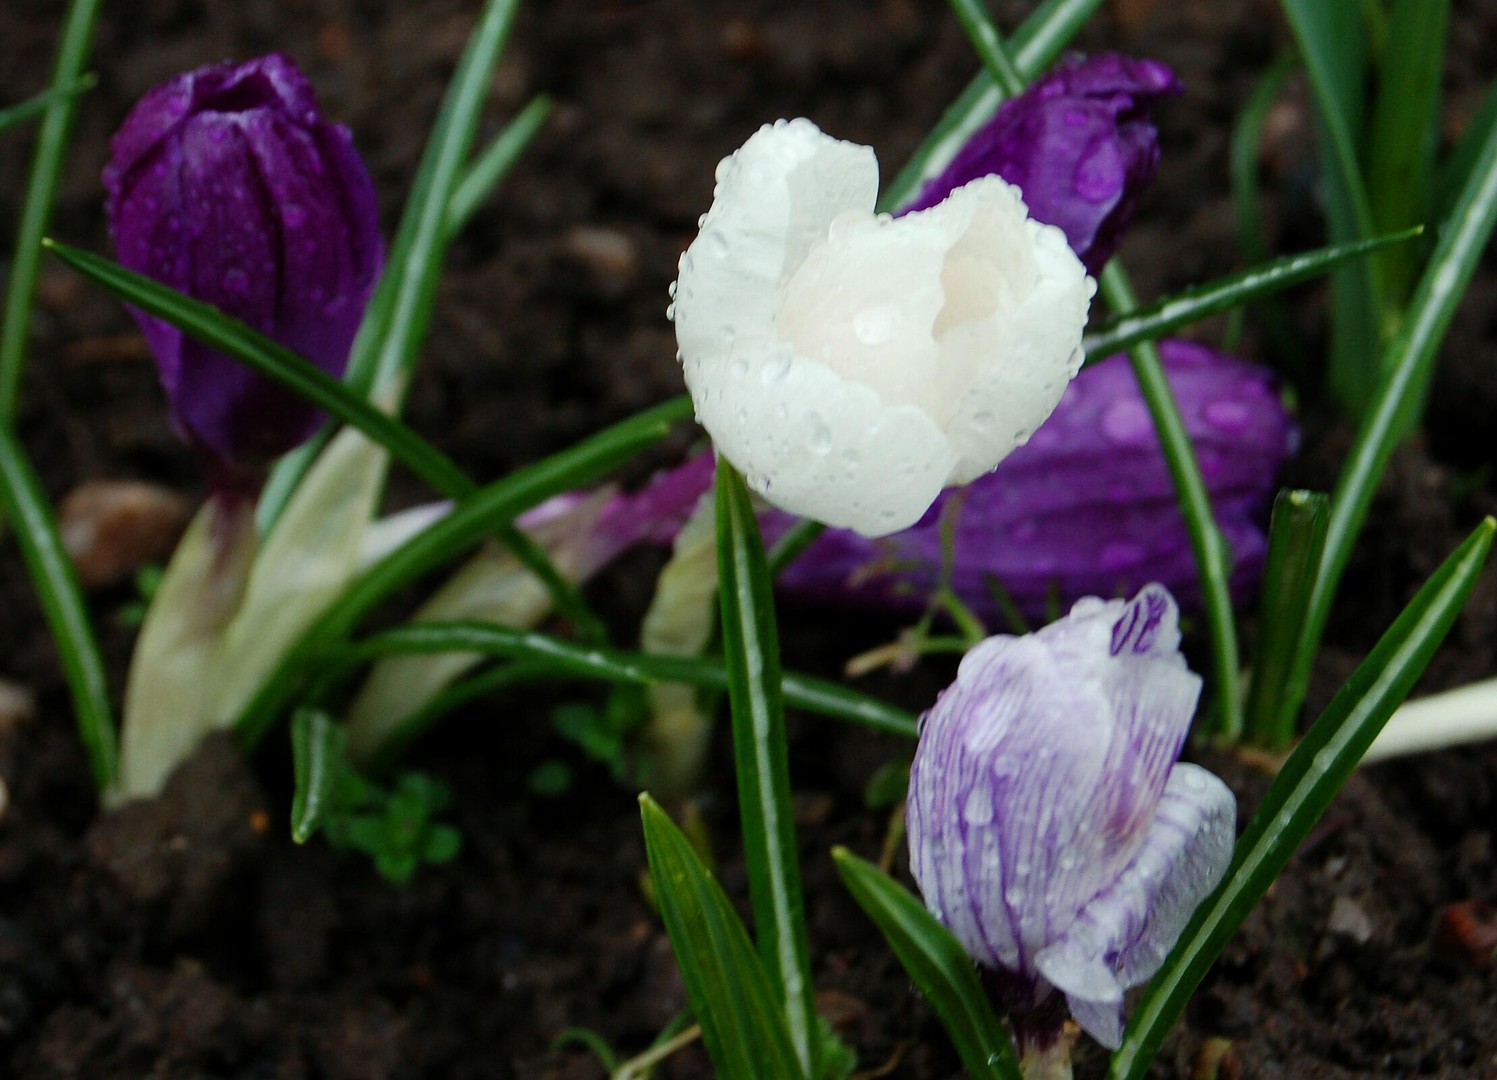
(1464, 715)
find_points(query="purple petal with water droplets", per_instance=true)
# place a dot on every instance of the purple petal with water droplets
(1078, 143)
(1039, 772)
(1123, 935)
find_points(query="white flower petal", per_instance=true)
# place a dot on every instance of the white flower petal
(851, 365)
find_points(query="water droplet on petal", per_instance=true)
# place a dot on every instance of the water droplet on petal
(818, 435)
(1232, 417)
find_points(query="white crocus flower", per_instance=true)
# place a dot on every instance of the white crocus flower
(852, 365)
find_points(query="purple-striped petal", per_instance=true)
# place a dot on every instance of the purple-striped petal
(1040, 771)
(1122, 936)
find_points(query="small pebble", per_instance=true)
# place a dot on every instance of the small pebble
(112, 528)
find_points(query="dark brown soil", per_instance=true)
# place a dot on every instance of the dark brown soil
(187, 937)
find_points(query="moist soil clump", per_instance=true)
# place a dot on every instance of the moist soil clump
(188, 937)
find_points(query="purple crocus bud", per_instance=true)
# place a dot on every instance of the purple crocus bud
(1087, 507)
(1051, 828)
(1078, 143)
(227, 184)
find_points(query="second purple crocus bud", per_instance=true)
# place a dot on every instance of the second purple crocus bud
(1051, 828)
(1078, 143)
(227, 184)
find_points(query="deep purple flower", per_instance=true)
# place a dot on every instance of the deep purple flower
(1078, 143)
(1050, 826)
(1087, 506)
(227, 184)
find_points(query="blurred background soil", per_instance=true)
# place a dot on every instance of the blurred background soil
(187, 937)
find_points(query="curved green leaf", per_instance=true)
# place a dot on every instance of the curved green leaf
(471, 519)
(937, 964)
(56, 585)
(316, 752)
(742, 1021)
(41, 188)
(1200, 301)
(1303, 789)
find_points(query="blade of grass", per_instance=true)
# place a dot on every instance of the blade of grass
(1191, 305)
(41, 189)
(751, 650)
(1247, 201)
(305, 379)
(1036, 44)
(470, 520)
(491, 166)
(936, 964)
(33, 107)
(731, 993)
(561, 657)
(316, 747)
(1332, 45)
(1465, 157)
(1213, 556)
(51, 572)
(394, 325)
(1296, 539)
(1400, 400)
(1405, 133)
(1303, 789)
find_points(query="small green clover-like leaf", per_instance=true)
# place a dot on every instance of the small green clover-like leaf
(836, 1060)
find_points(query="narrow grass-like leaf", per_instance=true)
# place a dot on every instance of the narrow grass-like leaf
(1296, 539)
(751, 650)
(491, 167)
(1333, 48)
(394, 324)
(936, 963)
(1247, 201)
(1191, 305)
(561, 657)
(792, 544)
(33, 107)
(316, 751)
(1466, 156)
(305, 379)
(51, 572)
(742, 1017)
(1303, 789)
(41, 189)
(1036, 44)
(1400, 400)
(260, 354)
(1213, 557)
(471, 519)
(1405, 133)
(1212, 554)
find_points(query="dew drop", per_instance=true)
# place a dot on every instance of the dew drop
(818, 435)
(1232, 417)
(671, 291)
(670, 313)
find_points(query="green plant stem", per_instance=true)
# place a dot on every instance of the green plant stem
(491, 167)
(41, 190)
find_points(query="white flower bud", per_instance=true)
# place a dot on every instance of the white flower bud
(852, 365)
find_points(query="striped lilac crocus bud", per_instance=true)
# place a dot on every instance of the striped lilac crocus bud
(227, 184)
(1051, 828)
(1087, 507)
(1078, 143)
